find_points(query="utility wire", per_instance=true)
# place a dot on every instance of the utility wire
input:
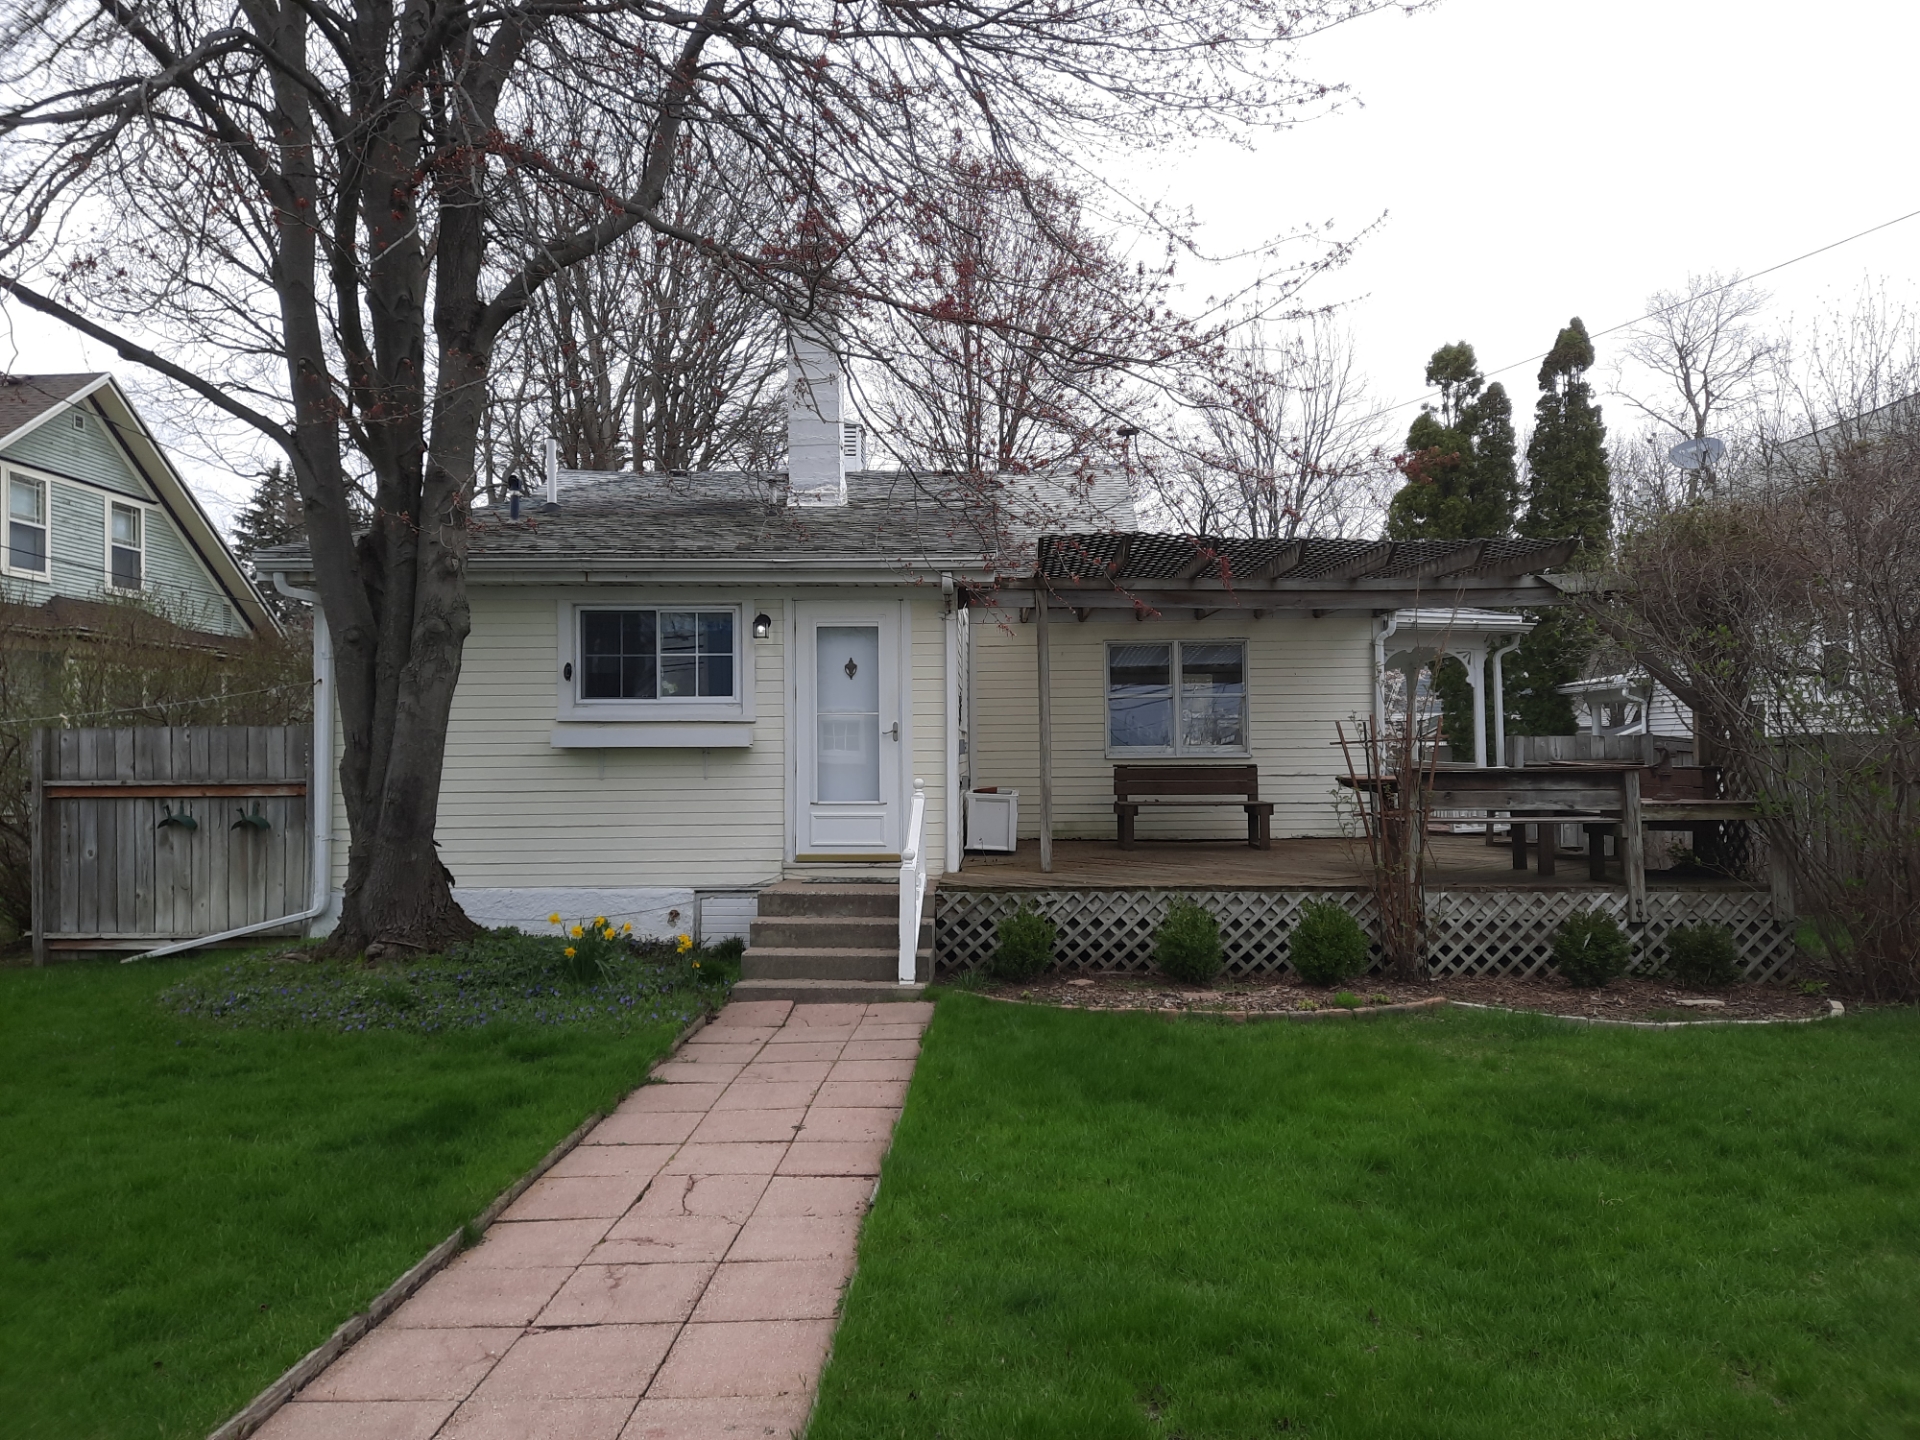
(1677, 305)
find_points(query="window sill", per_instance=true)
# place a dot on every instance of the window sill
(653, 735)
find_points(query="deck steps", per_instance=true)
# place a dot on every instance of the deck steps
(812, 936)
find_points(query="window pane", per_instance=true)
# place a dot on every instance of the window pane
(677, 630)
(1140, 697)
(716, 633)
(716, 675)
(616, 655)
(24, 500)
(126, 568)
(126, 526)
(26, 546)
(677, 676)
(1132, 666)
(1212, 697)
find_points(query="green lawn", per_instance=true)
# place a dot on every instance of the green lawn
(1448, 1226)
(186, 1209)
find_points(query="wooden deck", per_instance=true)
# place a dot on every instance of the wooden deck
(1454, 862)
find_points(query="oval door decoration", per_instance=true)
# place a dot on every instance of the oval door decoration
(852, 668)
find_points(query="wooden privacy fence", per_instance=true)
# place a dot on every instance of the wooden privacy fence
(157, 833)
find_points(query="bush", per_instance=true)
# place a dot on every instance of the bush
(1026, 945)
(593, 948)
(1590, 949)
(1702, 955)
(1187, 944)
(1328, 944)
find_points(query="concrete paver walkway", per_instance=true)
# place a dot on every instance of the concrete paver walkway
(676, 1276)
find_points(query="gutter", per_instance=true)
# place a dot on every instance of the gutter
(319, 789)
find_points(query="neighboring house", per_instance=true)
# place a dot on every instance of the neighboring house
(96, 514)
(678, 690)
(1631, 704)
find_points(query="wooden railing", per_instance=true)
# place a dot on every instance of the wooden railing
(913, 881)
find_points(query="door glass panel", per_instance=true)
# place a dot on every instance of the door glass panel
(847, 712)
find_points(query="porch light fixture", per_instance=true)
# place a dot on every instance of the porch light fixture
(762, 627)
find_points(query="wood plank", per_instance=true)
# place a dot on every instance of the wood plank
(1634, 862)
(40, 855)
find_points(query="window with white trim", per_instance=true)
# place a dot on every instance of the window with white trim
(126, 546)
(27, 531)
(1177, 697)
(662, 654)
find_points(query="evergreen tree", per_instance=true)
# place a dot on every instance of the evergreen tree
(1461, 485)
(1460, 459)
(273, 516)
(1569, 493)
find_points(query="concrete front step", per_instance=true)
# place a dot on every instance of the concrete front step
(836, 932)
(795, 963)
(826, 992)
(803, 897)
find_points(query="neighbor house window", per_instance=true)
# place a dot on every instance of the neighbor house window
(1178, 697)
(657, 654)
(126, 549)
(26, 525)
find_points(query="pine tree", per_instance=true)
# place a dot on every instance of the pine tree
(273, 516)
(1460, 459)
(1461, 485)
(1569, 494)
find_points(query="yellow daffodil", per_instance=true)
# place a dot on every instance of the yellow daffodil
(569, 952)
(627, 929)
(686, 943)
(578, 932)
(599, 919)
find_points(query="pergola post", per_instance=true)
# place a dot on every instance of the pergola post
(1500, 702)
(1044, 658)
(1477, 679)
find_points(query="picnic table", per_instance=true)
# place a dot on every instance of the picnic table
(1621, 799)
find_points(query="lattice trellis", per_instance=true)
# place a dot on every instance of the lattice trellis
(1469, 932)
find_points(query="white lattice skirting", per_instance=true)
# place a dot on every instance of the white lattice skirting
(1469, 932)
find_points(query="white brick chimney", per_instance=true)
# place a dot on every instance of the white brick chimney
(816, 440)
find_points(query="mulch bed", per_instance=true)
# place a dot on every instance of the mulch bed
(1626, 999)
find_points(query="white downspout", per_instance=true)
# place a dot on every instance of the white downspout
(1500, 703)
(319, 790)
(950, 627)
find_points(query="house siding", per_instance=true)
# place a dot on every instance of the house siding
(518, 814)
(175, 579)
(1305, 676)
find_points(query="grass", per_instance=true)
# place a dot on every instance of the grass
(1453, 1225)
(186, 1208)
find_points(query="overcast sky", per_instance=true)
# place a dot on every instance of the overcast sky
(1534, 159)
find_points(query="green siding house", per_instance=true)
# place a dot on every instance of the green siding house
(95, 512)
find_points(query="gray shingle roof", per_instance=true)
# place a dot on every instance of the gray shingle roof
(27, 397)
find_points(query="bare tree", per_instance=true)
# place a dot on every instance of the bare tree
(644, 354)
(1289, 442)
(996, 256)
(1709, 361)
(295, 209)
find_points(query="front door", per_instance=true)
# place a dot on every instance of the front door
(849, 735)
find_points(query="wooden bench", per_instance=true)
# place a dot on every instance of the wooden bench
(1194, 785)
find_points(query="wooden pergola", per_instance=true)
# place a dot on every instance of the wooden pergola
(1156, 576)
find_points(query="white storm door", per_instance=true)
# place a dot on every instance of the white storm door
(849, 736)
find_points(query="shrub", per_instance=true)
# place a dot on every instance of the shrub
(1187, 944)
(1026, 945)
(1328, 944)
(1590, 949)
(1702, 955)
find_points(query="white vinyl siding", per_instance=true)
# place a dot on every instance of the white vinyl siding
(517, 812)
(1303, 675)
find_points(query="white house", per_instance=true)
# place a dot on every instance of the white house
(683, 694)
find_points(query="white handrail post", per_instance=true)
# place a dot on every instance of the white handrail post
(913, 881)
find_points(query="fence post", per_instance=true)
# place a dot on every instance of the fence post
(39, 900)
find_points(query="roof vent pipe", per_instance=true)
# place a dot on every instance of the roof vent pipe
(816, 453)
(553, 475)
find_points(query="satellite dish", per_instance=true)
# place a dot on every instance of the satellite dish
(1697, 454)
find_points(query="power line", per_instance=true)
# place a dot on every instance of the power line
(1664, 309)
